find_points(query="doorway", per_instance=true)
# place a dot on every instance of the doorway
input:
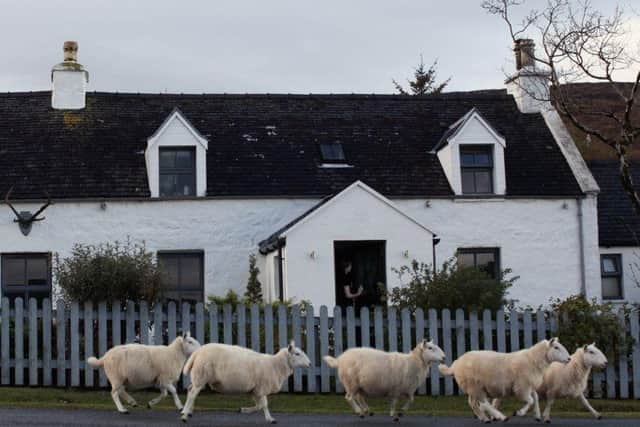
(368, 269)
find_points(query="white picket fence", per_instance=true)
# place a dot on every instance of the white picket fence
(43, 346)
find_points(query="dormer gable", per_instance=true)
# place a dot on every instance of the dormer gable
(176, 158)
(471, 153)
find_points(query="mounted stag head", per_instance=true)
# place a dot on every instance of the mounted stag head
(25, 218)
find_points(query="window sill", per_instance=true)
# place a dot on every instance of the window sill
(479, 198)
(335, 165)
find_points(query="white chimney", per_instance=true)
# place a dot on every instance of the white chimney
(69, 81)
(529, 85)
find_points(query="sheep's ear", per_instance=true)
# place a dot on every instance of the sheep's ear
(593, 344)
(188, 334)
(424, 343)
(290, 347)
(553, 340)
(184, 335)
(585, 347)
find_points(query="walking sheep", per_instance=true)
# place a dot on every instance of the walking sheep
(233, 369)
(488, 374)
(570, 380)
(139, 366)
(375, 373)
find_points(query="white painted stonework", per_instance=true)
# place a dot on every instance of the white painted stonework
(630, 271)
(68, 87)
(176, 131)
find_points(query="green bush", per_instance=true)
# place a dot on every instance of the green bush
(582, 322)
(452, 287)
(108, 272)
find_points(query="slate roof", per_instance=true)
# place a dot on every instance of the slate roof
(266, 145)
(618, 224)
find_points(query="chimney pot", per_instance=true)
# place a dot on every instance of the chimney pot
(525, 53)
(69, 80)
(70, 49)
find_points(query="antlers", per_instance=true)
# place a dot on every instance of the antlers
(29, 218)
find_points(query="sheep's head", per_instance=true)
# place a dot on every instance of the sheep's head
(189, 344)
(593, 357)
(430, 352)
(556, 352)
(296, 357)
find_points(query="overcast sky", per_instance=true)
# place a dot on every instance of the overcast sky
(236, 46)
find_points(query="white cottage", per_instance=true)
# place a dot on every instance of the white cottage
(306, 181)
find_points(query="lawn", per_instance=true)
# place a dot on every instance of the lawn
(289, 403)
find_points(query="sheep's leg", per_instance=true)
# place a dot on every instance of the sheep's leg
(352, 402)
(487, 407)
(547, 410)
(156, 400)
(528, 399)
(251, 409)
(496, 404)
(363, 404)
(115, 395)
(473, 404)
(174, 394)
(536, 405)
(392, 411)
(406, 405)
(586, 404)
(264, 404)
(191, 398)
(130, 400)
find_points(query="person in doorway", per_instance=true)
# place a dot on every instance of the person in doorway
(348, 284)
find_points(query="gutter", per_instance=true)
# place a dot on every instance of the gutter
(583, 274)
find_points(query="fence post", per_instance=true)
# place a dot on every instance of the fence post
(74, 333)
(46, 342)
(500, 331)
(447, 348)
(213, 322)
(351, 327)
(460, 337)
(158, 323)
(268, 329)
(144, 322)
(419, 315)
(433, 333)
(528, 329)
(295, 326)
(88, 343)
(255, 327)
(623, 362)
(200, 322)
(227, 322)
(486, 330)
(241, 328)
(102, 338)
(378, 327)
(514, 330)
(61, 374)
(185, 319)
(19, 342)
(634, 328)
(337, 342)
(392, 329)
(130, 315)
(6, 369)
(33, 341)
(541, 330)
(473, 331)
(283, 329)
(116, 322)
(405, 318)
(325, 387)
(171, 321)
(310, 329)
(365, 328)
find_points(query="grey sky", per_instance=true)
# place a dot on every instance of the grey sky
(275, 46)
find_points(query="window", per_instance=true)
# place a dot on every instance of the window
(26, 276)
(611, 272)
(332, 152)
(177, 171)
(477, 169)
(184, 274)
(484, 259)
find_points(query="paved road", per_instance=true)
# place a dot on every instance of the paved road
(61, 417)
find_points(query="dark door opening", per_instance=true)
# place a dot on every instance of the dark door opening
(368, 269)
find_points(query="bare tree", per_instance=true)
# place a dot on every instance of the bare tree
(580, 43)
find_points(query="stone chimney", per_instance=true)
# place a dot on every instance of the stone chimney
(530, 84)
(69, 80)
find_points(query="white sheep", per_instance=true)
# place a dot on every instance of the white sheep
(488, 374)
(138, 366)
(233, 369)
(375, 373)
(570, 380)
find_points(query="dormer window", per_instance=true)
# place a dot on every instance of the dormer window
(177, 171)
(476, 162)
(332, 152)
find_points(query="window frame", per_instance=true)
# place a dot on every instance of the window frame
(618, 262)
(477, 149)
(179, 253)
(342, 161)
(178, 171)
(483, 250)
(25, 256)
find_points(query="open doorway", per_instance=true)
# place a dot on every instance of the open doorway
(367, 261)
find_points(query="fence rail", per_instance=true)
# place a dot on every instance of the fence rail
(47, 345)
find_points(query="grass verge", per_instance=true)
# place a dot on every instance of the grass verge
(21, 397)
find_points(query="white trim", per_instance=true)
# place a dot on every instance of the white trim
(475, 114)
(176, 114)
(361, 185)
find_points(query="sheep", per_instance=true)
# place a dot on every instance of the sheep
(375, 373)
(233, 369)
(488, 374)
(570, 380)
(140, 366)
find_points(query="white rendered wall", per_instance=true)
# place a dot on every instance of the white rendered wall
(630, 271)
(538, 239)
(68, 89)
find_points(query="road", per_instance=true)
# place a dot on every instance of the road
(62, 417)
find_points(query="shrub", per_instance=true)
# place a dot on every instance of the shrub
(253, 294)
(108, 272)
(582, 322)
(452, 287)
